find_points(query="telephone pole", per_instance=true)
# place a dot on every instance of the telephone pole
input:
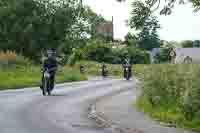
(112, 29)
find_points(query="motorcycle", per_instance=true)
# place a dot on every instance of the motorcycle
(46, 83)
(82, 69)
(104, 72)
(127, 74)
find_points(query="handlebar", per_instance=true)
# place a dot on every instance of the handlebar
(46, 69)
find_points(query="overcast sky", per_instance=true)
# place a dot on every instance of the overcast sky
(183, 24)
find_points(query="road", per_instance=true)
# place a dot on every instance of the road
(27, 111)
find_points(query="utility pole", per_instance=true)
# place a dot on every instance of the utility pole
(112, 29)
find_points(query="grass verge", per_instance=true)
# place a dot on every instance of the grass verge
(166, 116)
(13, 78)
(171, 94)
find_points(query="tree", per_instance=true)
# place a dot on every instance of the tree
(187, 44)
(168, 5)
(91, 19)
(147, 25)
(29, 26)
(148, 39)
(130, 39)
(196, 43)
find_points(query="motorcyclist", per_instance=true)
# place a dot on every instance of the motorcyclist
(127, 68)
(104, 70)
(82, 69)
(50, 64)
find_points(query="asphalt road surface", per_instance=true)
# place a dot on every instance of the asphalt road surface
(66, 111)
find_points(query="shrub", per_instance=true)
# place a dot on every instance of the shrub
(98, 52)
(10, 58)
(75, 56)
(138, 56)
(163, 56)
(105, 53)
(173, 87)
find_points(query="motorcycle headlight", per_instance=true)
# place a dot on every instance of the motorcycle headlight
(46, 75)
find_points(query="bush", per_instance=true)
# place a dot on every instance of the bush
(75, 56)
(138, 56)
(163, 56)
(105, 53)
(173, 88)
(10, 58)
(97, 52)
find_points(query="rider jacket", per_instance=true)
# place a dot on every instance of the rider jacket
(50, 63)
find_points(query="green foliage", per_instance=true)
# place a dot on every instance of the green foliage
(135, 55)
(92, 20)
(98, 52)
(169, 116)
(171, 93)
(139, 15)
(148, 38)
(130, 39)
(75, 56)
(196, 43)
(29, 27)
(69, 74)
(163, 56)
(166, 6)
(94, 68)
(147, 24)
(27, 76)
(187, 44)
(101, 52)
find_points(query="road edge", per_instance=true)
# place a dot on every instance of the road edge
(103, 122)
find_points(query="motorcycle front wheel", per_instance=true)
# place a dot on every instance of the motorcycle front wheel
(45, 87)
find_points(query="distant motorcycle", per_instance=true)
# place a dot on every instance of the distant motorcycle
(82, 69)
(104, 71)
(127, 73)
(127, 76)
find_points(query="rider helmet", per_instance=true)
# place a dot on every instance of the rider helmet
(51, 52)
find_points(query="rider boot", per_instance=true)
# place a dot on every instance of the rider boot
(41, 84)
(52, 82)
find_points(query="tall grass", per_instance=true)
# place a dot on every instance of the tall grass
(172, 93)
